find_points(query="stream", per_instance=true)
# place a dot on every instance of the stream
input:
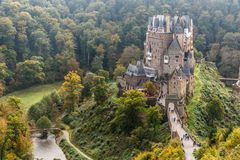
(46, 149)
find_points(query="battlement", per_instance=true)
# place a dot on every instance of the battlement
(168, 24)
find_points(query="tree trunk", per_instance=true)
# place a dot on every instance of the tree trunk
(44, 134)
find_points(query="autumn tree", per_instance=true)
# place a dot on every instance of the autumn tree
(150, 88)
(130, 55)
(71, 89)
(16, 140)
(171, 151)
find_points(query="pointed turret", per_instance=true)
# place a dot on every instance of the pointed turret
(175, 44)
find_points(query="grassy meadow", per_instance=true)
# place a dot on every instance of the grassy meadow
(33, 94)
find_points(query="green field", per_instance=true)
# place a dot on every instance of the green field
(33, 94)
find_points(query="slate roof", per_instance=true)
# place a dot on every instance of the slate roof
(150, 72)
(175, 45)
(179, 72)
(140, 70)
(136, 70)
(186, 68)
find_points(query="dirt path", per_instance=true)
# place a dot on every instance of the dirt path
(66, 136)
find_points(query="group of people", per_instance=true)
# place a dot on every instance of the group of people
(187, 137)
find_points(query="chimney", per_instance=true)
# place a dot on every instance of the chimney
(168, 23)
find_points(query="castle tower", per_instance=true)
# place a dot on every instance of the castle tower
(167, 40)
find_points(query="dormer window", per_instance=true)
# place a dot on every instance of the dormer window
(166, 59)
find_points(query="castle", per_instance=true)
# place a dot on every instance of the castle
(168, 58)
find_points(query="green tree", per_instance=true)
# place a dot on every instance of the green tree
(29, 72)
(65, 42)
(3, 75)
(129, 114)
(88, 83)
(215, 109)
(119, 71)
(3, 72)
(40, 43)
(97, 63)
(43, 124)
(104, 74)
(197, 54)
(100, 90)
(155, 117)
(7, 32)
(8, 56)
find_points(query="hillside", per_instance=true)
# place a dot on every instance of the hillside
(208, 86)
(91, 132)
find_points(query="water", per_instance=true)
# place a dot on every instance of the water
(47, 149)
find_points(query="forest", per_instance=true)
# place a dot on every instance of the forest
(41, 40)
(86, 44)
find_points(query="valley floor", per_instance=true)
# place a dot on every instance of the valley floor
(33, 94)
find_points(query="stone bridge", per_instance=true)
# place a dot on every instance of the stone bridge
(32, 130)
(228, 81)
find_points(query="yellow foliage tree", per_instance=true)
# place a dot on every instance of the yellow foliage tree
(151, 89)
(172, 151)
(71, 89)
(146, 156)
(3, 130)
(233, 139)
(222, 150)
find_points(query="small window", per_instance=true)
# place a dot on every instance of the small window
(166, 59)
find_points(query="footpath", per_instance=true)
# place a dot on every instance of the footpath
(66, 136)
(187, 142)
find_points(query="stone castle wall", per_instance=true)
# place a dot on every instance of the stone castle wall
(157, 43)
